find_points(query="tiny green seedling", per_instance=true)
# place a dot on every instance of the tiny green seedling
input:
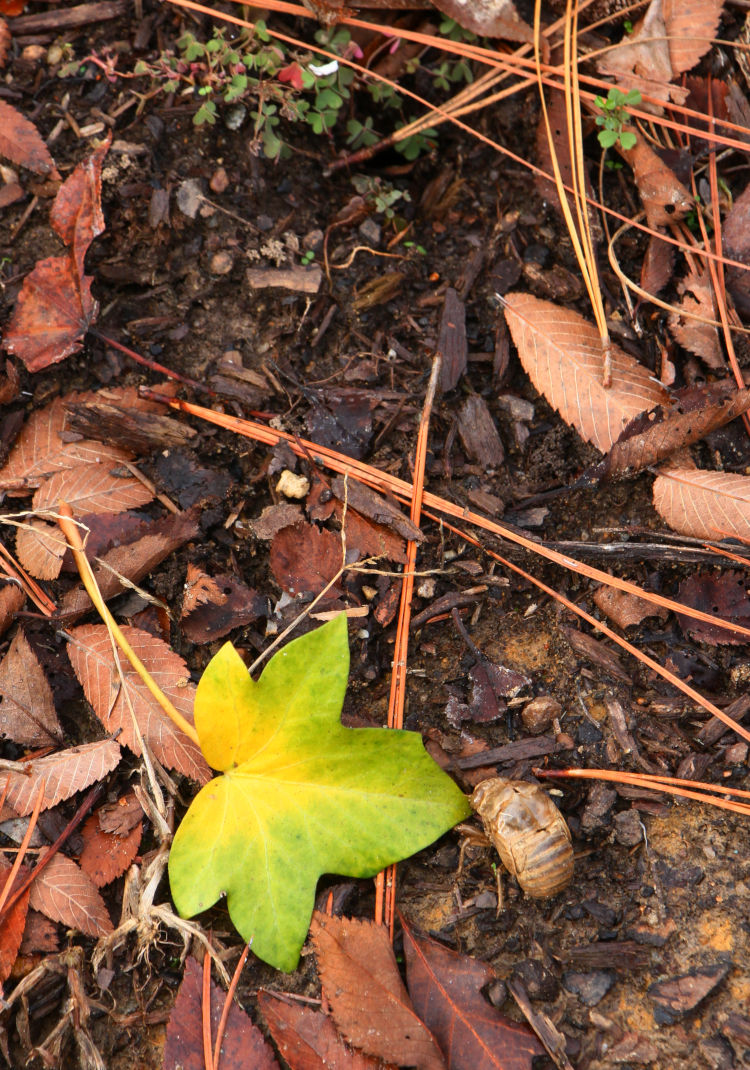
(615, 116)
(300, 794)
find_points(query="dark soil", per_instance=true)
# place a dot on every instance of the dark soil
(660, 888)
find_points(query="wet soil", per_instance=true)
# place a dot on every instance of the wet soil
(655, 895)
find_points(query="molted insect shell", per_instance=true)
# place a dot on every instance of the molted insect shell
(529, 833)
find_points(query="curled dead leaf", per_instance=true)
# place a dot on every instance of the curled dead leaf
(704, 505)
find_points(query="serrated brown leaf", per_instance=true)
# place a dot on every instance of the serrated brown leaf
(106, 855)
(39, 935)
(658, 265)
(40, 547)
(725, 595)
(488, 18)
(90, 653)
(562, 355)
(698, 337)
(63, 774)
(704, 505)
(656, 435)
(52, 314)
(39, 450)
(21, 142)
(64, 893)
(445, 988)
(11, 600)
(92, 488)
(691, 28)
(304, 559)
(307, 1038)
(133, 560)
(368, 1000)
(625, 609)
(27, 708)
(665, 199)
(243, 1047)
(12, 925)
(200, 588)
(76, 214)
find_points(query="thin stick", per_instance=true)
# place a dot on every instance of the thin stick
(206, 1013)
(71, 533)
(227, 1005)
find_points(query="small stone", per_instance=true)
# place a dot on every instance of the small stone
(628, 829)
(293, 486)
(539, 714)
(370, 232)
(54, 55)
(590, 987)
(539, 982)
(596, 811)
(189, 197)
(426, 588)
(219, 180)
(221, 263)
(33, 53)
(736, 754)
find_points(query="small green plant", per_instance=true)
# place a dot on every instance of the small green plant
(307, 257)
(380, 195)
(615, 116)
(300, 794)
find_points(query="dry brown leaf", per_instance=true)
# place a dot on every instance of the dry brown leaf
(655, 435)
(562, 354)
(134, 560)
(304, 559)
(658, 265)
(368, 538)
(39, 450)
(21, 142)
(27, 708)
(92, 488)
(307, 1038)
(122, 816)
(664, 197)
(11, 600)
(90, 652)
(39, 935)
(231, 604)
(199, 589)
(625, 609)
(368, 1000)
(64, 893)
(76, 213)
(642, 61)
(63, 774)
(106, 855)
(488, 18)
(691, 28)
(40, 547)
(725, 595)
(12, 925)
(704, 505)
(700, 338)
(10, 385)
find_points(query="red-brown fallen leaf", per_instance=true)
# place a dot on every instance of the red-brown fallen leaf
(370, 539)
(122, 816)
(11, 600)
(90, 652)
(562, 354)
(89, 488)
(655, 435)
(63, 774)
(369, 503)
(40, 547)
(39, 450)
(691, 28)
(228, 603)
(10, 386)
(21, 142)
(488, 18)
(64, 893)
(368, 1000)
(307, 1038)
(445, 988)
(77, 211)
(27, 708)
(626, 609)
(134, 560)
(106, 855)
(200, 588)
(705, 505)
(725, 595)
(52, 314)
(40, 935)
(243, 1047)
(12, 925)
(699, 337)
(664, 197)
(304, 559)
(658, 265)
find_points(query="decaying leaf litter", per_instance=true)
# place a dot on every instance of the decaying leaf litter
(621, 959)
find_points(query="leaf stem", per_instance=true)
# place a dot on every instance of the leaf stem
(71, 533)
